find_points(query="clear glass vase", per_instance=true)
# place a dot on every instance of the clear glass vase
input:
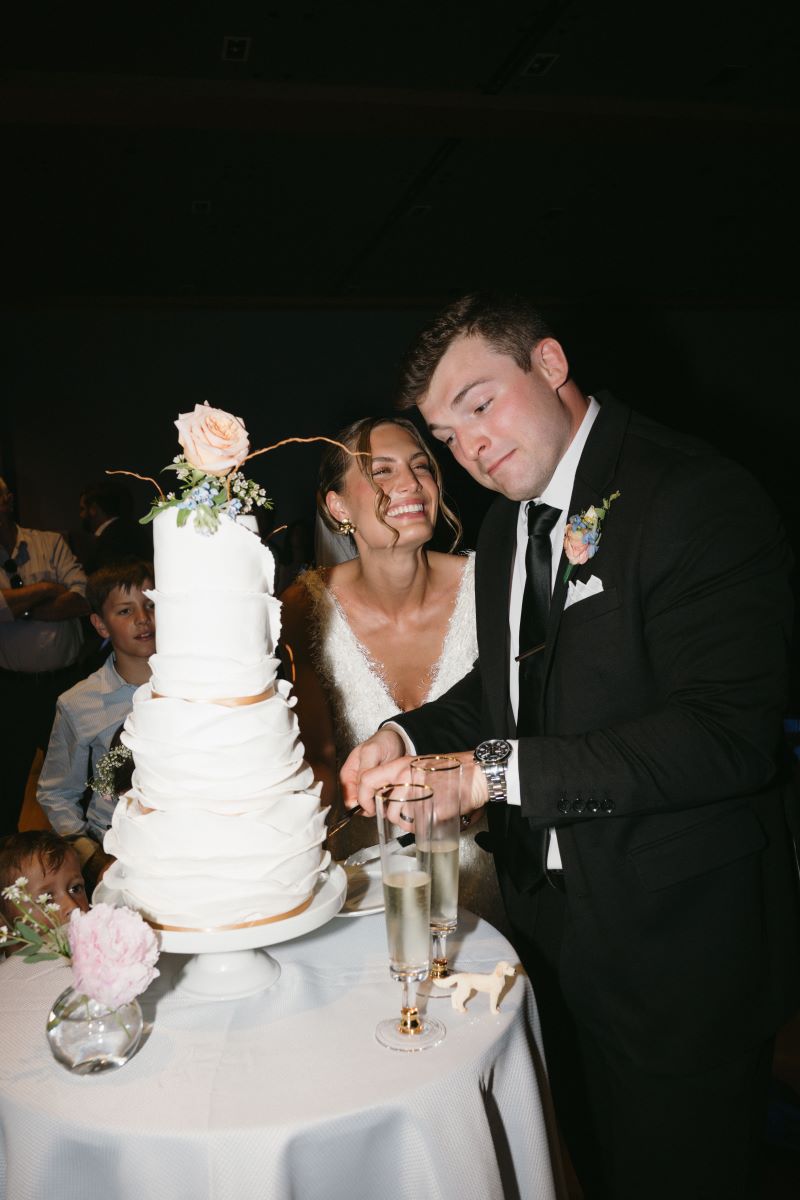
(86, 1037)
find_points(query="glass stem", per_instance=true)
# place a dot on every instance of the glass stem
(409, 1016)
(439, 968)
(409, 993)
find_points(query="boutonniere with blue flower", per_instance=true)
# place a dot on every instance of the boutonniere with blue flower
(582, 534)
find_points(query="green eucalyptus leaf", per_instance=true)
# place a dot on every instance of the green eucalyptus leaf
(27, 934)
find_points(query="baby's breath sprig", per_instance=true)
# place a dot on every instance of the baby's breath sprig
(37, 928)
(104, 780)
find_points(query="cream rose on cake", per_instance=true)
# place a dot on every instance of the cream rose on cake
(214, 441)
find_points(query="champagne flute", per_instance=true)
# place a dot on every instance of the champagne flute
(442, 774)
(402, 807)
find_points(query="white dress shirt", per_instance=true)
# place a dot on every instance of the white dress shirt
(87, 717)
(33, 646)
(558, 494)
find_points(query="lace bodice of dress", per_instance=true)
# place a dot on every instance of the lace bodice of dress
(358, 696)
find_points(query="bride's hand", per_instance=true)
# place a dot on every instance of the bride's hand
(369, 766)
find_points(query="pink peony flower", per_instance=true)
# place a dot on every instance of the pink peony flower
(576, 549)
(113, 954)
(212, 440)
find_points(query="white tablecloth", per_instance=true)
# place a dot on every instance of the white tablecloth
(285, 1095)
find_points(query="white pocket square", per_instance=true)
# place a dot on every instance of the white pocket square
(577, 591)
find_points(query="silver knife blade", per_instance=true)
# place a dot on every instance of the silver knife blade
(370, 853)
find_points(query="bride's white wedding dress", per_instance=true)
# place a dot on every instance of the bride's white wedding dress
(359, 696)
(360, 700)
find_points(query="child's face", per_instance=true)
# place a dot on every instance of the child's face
(65, 884)
(129, 619)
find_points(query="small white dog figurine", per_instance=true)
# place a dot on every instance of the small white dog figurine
(464, 984)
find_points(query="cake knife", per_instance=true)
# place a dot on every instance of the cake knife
(370, 853)
(346, 819)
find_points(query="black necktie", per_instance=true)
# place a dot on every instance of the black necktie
(535, 613)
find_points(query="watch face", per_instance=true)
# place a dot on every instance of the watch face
(496, 750)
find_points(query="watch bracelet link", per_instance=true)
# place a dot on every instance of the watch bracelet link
(495, 774)
(491, 756)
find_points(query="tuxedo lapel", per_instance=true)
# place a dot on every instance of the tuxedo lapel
(593, 478)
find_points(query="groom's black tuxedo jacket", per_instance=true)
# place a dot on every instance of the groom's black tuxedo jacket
(661, 718)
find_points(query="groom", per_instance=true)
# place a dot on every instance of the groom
(622, 724)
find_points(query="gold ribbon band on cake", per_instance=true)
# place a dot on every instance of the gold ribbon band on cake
(293, 912)
(228, 701)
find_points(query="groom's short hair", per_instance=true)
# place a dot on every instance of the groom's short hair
(510, 324)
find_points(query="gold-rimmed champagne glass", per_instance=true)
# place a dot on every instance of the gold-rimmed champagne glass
(400, 808)
(442, 774)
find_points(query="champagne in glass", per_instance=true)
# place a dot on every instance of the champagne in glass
(444, 884)
(407, 894)
(442, 774)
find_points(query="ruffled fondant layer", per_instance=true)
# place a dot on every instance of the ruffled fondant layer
(201, 869)
(212, 757)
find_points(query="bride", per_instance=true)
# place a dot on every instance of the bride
(386, 630)
(392, 627)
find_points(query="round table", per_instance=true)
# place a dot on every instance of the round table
(285, 1095)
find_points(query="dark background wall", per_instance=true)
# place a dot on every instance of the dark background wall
(88, 390)
(259, 205)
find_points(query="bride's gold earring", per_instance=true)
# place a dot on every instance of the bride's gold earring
(346, 526)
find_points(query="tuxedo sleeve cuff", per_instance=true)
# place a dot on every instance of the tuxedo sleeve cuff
(513, 792)
(407, 742)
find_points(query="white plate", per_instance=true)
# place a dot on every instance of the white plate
(364, 886)
(364, 890)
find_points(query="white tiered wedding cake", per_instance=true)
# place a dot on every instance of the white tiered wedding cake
(222, 826)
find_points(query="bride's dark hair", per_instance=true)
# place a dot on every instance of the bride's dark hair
(357, 438)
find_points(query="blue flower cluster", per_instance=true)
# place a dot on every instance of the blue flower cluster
(590, 534)
(204, 493)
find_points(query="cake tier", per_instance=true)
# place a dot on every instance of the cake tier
(232, 559)
(217, 626)
(214, 757)
(216, 645)
(203, 870)
(203, 677)
(223, 624)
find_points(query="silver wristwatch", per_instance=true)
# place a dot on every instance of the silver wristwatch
(492, 757)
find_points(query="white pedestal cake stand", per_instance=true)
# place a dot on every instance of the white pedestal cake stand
(232, 963)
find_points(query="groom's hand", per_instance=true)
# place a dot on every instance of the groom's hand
(372, 760)
(381, 760)
(474, 788)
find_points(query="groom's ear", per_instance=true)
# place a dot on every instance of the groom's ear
(549, 360)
